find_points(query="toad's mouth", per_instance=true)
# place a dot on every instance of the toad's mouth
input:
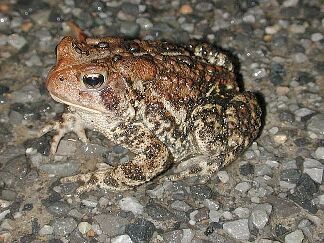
(75, 105)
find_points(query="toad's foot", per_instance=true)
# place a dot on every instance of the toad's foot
(70, 122)
(203, 166)
(99, 179)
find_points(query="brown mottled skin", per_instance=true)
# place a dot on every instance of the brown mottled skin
(166, 103)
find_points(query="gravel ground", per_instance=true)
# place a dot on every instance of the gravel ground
(273, 193)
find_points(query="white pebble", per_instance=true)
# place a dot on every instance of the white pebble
(319, 153)
(84, 227)
(223, 176)
(17, 41)
(259, 218)
(314, 169)
(214, 215)
(290, 3)
(242, 212)
(46, 230)
(280, 138)
(211, 205)
(227, 215)
(294, 237)
(316, 37)
(271, 30)
(321, 199)
(89, 203)
(131, 204)
(249, 19)
(273, 130)
(300, 58)
(238, 229)
(303, 112)
(243, 187)
(122, 239)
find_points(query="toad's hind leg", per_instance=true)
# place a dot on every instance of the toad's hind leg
(152, 157)
(222, 130)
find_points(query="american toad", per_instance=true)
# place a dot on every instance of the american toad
(166, 103)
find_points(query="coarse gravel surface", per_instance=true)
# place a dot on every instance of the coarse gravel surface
(273, 193)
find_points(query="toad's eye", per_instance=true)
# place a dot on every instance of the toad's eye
(93, 80)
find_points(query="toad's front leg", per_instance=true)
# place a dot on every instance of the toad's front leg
(152, 158)
(70, 122)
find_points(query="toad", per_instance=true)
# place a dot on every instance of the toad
(166, 103)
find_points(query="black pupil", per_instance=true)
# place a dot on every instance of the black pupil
(93, 80)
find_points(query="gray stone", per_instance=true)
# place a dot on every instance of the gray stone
(58, 208)
(84, 227)
(211, 205)
(259, 218)
(17, 41)
(316, 124)
(180, 206)
(296, 236)
(46, 230)
(242, 212)
(317, 37)
(243, 187)
(238, 229)
(63, 226)
(111, 225)
(28, 93)
(158, 212)
(303, 112)
(223, 176)
(319, 153)
(145, 23)
(174, 236)
(201, 191)
(60, 169)
(140, 231)
(131, 204)
(122, 239)
(130, 29)
(314, 169)
(90, 202)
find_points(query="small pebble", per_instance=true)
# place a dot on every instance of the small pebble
(316, 37)
(314, 169)
(300, 57)
(319, 153)
(185, 9)
(223, 176)
(84, 227)
(290, 3)
(296, 236)
(316, 124)
(259, 218)
(272, 29)
(238, 229)
(210, 204)
(131, 204)
(180, 206)
(91, 203)
(243, 187)
(17, 41)
(242, 212)
(46, 230)
(321, 199)
(280, 138)
(227, 215)
(303, 112)
(122, 239)
(63, 226)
